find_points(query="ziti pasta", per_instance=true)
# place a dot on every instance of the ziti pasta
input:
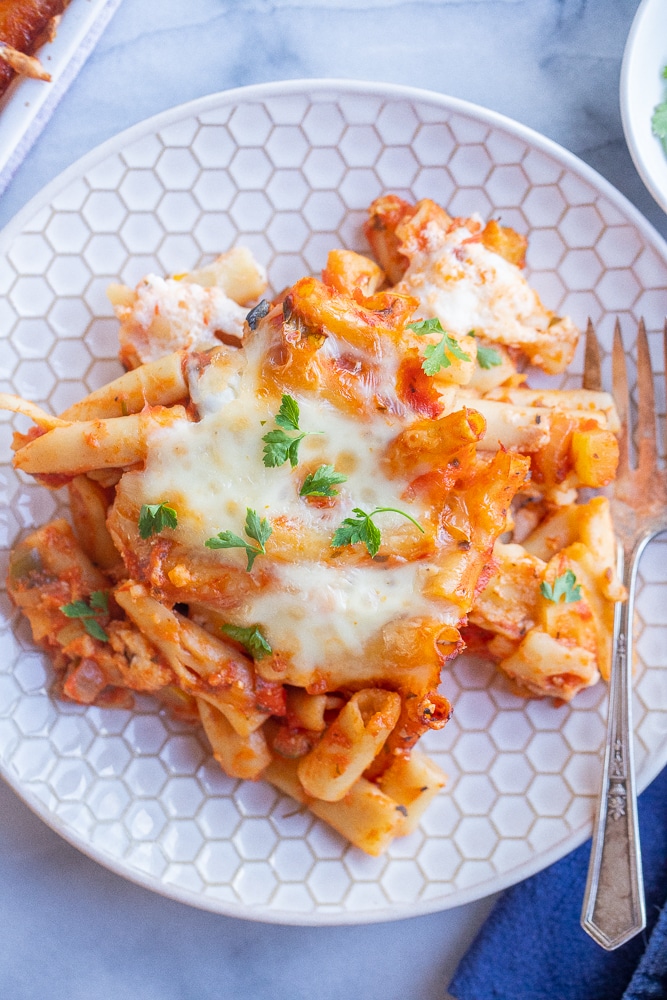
(291, 513)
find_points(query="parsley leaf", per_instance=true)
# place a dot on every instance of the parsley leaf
(487, 357)
(659, 117)
(256, 644)
(362, 529)
(565, 589)
(423, 326)
(155, 517)
(437, 356)
(659, 122)
(87, 613)
(321, 482)
(288, 414)
(93, 627)
(280, 447)
(99, 601)
(256, 528)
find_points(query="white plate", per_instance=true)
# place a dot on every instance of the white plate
(289, 169)
(28, 104)
(642, 87)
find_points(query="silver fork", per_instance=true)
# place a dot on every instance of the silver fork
(614, 910)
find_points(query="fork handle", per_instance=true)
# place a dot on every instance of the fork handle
(614, 909)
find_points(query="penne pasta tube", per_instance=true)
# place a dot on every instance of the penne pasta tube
(517, 428)
(581, 401)
(110, 443)
(554, 532)
(589, 523)
(429, 444)
(238, 756)
(366, 816)
(54, 550)
(508, 603)
(350, 744)
(347, 271)
(236, 272)
(521, 427)
(543, 667)
(48, 569)
(204, 666)
(413, 782)
(589, 621)
(306, 711)
(88, 504)
(157, 383)
(15, 404)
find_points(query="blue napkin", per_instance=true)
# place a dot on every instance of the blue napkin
(533, 948)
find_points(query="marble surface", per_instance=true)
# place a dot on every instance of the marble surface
(70, 928)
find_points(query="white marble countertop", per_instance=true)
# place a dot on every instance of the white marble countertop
(70, 928)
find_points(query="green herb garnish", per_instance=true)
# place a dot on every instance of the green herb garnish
(362, 529)
(88, 612)
(659, 118)
(253, 640)
(321, 482)
(256, 528)
(155, 517)
(436, 356)
(487, 357)
(280, 447)
(565, 589)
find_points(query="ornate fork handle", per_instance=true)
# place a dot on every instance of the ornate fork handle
(614, 910)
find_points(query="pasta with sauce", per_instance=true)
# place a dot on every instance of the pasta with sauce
(287, 521)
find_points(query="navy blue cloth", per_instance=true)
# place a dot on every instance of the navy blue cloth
(533, 948)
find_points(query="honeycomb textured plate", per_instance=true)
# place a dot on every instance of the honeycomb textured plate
(289, 169)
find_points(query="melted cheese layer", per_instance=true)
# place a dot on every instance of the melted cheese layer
(469, 287)
(170, 315)
(314, 611)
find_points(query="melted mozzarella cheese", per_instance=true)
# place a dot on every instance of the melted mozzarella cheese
(315, 611)
(319, 614)
(217, 464)
(469, 287)
(169, 315)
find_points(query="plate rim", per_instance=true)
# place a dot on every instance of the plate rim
(393, 911)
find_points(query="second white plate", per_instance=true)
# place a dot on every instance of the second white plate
(642, 88)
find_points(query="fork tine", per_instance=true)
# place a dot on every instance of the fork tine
(619, 376)
(592, 374)
(645, 403)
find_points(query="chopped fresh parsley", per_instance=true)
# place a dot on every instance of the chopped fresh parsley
(321, 482)
(287, 416)
(88, 613)
(659, 118)
(437, 356)
(487, 357)
(565, 589)
(362, 529)
(256, 528)
(280, 447)
(155, 517)
(253, 640)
